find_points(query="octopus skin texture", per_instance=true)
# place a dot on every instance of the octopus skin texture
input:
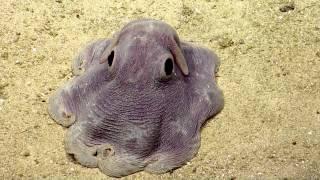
(137, 101)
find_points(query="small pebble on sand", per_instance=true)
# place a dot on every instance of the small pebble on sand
(25, 153)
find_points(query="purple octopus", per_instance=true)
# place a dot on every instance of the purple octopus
(138, 101)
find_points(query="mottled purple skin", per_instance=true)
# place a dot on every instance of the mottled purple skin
(131, 116)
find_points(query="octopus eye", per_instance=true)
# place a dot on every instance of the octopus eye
(168, 67)
(110, 58)
(166, 71)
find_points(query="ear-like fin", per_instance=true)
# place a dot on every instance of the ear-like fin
(106, 53)
(179, 57)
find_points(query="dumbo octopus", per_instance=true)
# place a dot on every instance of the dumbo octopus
(137, 101)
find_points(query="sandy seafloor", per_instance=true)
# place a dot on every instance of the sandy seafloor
(270, 76)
